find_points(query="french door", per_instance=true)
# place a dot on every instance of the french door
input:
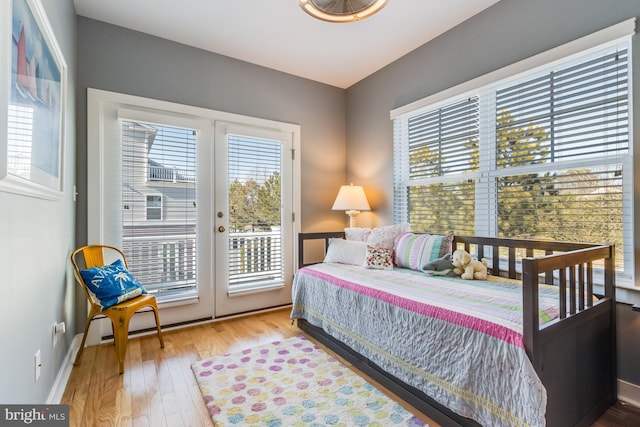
(254, 218)
(201, 201)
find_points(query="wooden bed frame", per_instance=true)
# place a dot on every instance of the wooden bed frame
(574, 356)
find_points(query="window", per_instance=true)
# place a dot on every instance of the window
(540, 154)
(443, 159)
(154, 207)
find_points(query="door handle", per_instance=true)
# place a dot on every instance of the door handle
(221, 229)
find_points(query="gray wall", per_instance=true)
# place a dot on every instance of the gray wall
(508, 32)
(36, 238)
(119, 60)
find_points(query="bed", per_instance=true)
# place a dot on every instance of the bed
(544, 354)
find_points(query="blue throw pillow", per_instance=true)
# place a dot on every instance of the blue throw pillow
(111, 284)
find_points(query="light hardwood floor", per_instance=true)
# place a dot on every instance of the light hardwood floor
(158, 387)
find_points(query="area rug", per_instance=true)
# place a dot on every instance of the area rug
(292, 383)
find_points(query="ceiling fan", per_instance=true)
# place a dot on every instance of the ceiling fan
(341, 10)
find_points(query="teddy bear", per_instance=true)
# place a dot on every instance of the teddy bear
(467, 267)
(440, 267)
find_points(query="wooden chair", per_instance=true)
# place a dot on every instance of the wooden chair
(120, 314)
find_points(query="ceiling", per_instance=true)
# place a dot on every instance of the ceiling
(278, 34)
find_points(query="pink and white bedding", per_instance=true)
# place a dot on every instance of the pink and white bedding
(458, 341)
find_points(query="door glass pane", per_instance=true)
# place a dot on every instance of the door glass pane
(159, 207)
(255, 213)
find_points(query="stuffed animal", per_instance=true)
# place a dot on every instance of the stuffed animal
(440, 266)
(467, 267)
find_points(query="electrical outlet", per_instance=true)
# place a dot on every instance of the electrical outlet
(37, 365)
(58, 329)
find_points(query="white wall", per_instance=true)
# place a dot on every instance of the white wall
(36, 238)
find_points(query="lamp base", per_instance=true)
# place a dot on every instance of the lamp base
(352, 217)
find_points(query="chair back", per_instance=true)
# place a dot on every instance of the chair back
(94, 256)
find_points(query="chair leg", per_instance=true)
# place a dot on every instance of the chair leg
(155, 313)
(84, 339)
(120, 338)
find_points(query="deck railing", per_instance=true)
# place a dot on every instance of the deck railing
(254, 256)
(162, 263)
(168, 263)
(164, 174)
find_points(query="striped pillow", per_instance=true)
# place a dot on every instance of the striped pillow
(412, 250)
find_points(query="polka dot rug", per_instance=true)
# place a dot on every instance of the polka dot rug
(292, 383)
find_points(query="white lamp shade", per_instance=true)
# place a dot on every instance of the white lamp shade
(351, 197)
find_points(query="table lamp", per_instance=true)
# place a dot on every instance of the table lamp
(351, 198)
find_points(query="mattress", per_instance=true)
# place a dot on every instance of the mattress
(458, 341)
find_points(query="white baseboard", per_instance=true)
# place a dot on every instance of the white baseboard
(60, 384)
(629, 393)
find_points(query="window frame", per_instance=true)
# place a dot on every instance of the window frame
(160, 208)
(617, 34)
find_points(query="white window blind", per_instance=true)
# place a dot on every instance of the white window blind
(159, 207)
(443, 143)
(543, 154)
(577, 112)
(255, 213)
(20, 140)
(573, 123)
(584, 204)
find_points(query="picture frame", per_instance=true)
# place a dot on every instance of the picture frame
(33, 77)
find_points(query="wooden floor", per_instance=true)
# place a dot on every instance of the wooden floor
(158, 387)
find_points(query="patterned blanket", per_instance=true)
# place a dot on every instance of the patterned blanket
(458, 341)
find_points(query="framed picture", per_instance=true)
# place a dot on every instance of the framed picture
(32, 102)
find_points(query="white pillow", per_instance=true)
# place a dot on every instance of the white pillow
(384, 237)
(361, 234)
(346, 252)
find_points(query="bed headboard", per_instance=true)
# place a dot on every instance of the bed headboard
(302, 237)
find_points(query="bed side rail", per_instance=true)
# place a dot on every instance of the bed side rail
(574, 271)
(576, 351)
(569, 265)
